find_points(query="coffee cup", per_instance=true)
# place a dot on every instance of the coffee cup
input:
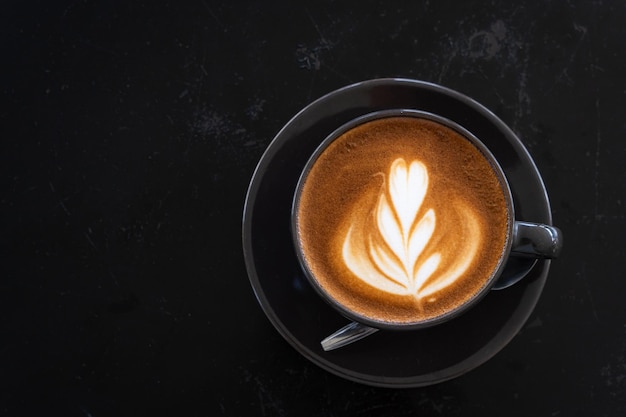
(403, 219)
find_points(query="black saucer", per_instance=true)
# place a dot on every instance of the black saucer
(387, 358)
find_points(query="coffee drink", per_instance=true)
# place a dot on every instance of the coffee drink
(402, 220)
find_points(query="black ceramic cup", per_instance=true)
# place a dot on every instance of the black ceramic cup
(523, 239)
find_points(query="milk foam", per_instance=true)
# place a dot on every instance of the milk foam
(387, 250)
(401, 220)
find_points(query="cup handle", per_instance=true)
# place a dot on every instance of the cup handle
(536, 240)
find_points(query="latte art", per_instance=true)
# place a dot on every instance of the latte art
(389, 253)
(401, 220)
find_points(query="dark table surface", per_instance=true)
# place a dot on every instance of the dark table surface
(129, 134)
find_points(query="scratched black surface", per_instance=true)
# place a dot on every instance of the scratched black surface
(129, 132)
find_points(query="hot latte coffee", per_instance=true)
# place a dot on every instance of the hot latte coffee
(401, 220)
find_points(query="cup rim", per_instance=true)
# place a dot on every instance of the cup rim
(451, 314)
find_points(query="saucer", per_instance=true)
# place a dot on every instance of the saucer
(387, 358)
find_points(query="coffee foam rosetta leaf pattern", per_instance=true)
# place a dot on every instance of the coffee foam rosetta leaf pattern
(391, 254)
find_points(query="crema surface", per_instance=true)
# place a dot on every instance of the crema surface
(402, 219)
